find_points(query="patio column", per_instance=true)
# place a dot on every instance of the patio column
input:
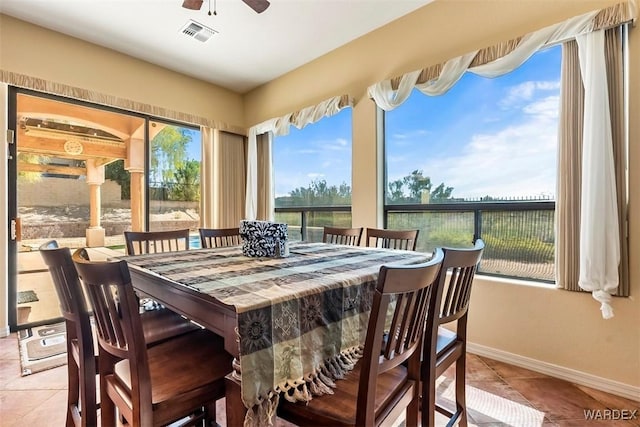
(95, 179)
(134, 164)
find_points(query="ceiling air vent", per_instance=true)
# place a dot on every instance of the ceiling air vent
(197, 31)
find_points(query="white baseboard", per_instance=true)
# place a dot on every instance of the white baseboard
(567, 374)
(4, 332)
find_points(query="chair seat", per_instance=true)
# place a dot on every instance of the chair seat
(183, 363)
(162, 324)
(340, 408)
(187, 368)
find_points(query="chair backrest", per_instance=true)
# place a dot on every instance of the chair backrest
(147, 242)
(410, 288)
(392, 239)
(219, 237)
(70, 295)
(455, 279)
(79, 334)
(118, 325)
(342, 236)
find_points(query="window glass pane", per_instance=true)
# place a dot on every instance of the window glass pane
(174, 178)
(312, 169)
(485, 140)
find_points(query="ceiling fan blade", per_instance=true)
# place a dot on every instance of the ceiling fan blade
(258, 5)
(192, 4)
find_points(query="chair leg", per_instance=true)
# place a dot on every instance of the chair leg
(88, 403)
(73, 390)
(428, 403)
(210, 414)
(461, 403)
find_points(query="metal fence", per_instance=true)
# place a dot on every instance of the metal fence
(519, 235)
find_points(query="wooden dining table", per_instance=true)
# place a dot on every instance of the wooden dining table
(294, 325)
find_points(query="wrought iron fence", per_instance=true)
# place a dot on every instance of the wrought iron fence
(519, 235)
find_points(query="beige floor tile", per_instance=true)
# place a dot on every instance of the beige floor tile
(557, 399)
(507, 371)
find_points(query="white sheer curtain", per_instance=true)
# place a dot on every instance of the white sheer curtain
(277, 127)
(599, 232)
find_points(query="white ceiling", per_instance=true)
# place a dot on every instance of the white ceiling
(250, 49)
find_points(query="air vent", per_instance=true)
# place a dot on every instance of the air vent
(197, 31)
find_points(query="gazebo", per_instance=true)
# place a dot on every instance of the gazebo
(74, 134)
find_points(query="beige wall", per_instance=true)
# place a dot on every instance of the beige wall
(552, 326)
(38, 52)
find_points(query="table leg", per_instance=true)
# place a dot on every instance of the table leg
(235, 408)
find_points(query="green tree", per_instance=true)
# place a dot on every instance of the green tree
(317, 193)
(115, 172)
(411, 188)
(187, 182)
(168, 154)
(441, 193)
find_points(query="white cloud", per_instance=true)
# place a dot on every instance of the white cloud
(408, 138)
(519, 160)
(547, 107)
(526, 91)
(315, 175)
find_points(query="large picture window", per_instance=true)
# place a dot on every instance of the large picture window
(480, 161)
(312, 175)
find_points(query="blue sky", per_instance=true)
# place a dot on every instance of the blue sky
(495, 137)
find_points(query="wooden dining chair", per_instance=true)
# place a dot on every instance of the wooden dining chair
(219, 237)
(445, 347)
(385, 381)
(159, 325)
(149, 386)
(392, 239)
(147, 242)
(342, 236)
(81, 362)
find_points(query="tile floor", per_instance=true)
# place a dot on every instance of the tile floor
(498, 394)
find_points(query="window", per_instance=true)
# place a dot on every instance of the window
(174, 177)
(312, 170)
(480, 161)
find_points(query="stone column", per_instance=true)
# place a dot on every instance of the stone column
(95, 178)
(134, 163)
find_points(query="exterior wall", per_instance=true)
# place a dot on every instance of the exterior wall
(538, 323)
(63, 192)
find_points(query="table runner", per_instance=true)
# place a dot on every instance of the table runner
(301, 320)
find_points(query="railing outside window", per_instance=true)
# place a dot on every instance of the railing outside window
(519, 236)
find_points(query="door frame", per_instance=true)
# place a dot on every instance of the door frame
(12, 176)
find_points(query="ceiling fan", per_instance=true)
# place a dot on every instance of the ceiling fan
(258, 5)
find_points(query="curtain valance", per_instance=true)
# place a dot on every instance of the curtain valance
(498, 59)
(60, 89)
